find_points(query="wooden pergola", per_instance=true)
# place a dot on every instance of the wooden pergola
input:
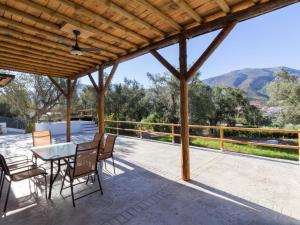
(36, 37)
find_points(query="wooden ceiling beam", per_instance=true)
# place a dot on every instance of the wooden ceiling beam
(22, 58)
(77, 23)
(28, 16)
(211, 48)
(189, 10)
(27, 37)
(26, 69)
(7, 50)
(159, 14)
(58, 86)
(204, 28)
(29, 64)
(223, 5)
(114, 7)
(37, 53)
(90, 14)
(38, 47)
(94, 83)
(165, 63)
(59, 38)
(110, 77)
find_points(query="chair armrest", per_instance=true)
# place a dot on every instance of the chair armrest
(21, 159)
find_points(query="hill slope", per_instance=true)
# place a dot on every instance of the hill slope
(253, 81)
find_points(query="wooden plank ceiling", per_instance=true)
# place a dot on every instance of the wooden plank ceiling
(36, 35)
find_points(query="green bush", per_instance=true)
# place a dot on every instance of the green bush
(29, 127)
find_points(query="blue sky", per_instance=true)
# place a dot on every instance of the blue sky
(267, 41)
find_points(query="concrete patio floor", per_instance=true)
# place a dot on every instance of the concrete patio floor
(226, 188)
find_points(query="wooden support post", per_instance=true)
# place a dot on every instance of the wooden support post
(141, 131)
(173, 134)
(222, 138)
(299, 145)
(183, 75)
(184, 111)
(68, 111)
(101, 93)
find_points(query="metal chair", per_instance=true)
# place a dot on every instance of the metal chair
(107, 151)
(84, 165)
(31, 171)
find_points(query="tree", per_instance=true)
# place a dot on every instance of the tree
(228, 105)
(126, 101)
(32, 96)
(284, 92)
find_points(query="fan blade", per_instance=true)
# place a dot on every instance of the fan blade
(90, 49)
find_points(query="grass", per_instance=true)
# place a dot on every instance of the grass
(289, 154)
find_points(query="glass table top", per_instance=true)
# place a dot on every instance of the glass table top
(55, 151)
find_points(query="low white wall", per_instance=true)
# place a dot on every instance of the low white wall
(3, 128)
(15, 130)
(60, 127)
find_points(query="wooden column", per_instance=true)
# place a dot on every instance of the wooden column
(101, 89)
(184, 111)
(68, 111)
(68, 94)
(183, 75)
(101, 92)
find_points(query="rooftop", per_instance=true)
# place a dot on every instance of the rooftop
(226, 188)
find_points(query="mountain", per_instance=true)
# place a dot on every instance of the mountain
(252, 80)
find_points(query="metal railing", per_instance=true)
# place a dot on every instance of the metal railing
(147, 128)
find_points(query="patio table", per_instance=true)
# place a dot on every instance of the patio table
(52, 153)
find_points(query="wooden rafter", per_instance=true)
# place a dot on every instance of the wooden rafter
(123, 30)
(31, 64)
(13, 50)
(76, 23)
(35, 61)
(223, 5)
(53, 36)
(65, 93)
(114, 7)
(110, 76)
(8, 47)
(26, 69)
(189, 10)
(39, 47)
(164, 62)
(160, 14)
(214, 25)
(84, 11)
(211, 48)
(93, 82)
(51, 44)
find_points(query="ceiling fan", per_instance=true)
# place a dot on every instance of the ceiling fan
(76, 50)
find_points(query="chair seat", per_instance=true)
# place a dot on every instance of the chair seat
(103, 156)
(27, 174)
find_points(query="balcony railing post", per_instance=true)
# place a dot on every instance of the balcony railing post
(141, 133)
(173, 133)
(117, 128)
(299, 146)
(221, 138)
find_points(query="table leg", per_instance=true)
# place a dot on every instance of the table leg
(51, 177)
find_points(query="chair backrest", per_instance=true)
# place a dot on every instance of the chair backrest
(3, 165)
(86, 158)
(41, 138)
(99, 137)
(109, 143)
